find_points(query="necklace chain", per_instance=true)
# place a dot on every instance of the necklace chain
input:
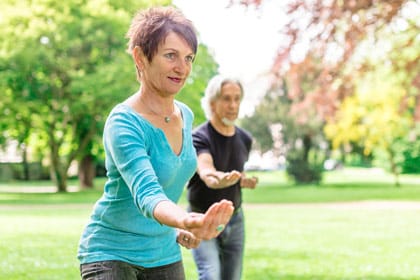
(167, 119)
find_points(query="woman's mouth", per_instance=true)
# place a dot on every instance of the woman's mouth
(176, 80)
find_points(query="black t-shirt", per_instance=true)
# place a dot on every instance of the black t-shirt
(229, 153)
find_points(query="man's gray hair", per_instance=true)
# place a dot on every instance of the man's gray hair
(214, 90)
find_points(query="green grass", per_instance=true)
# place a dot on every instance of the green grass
(285, 239)
(40, 242)
(341, 185)
(319, 243)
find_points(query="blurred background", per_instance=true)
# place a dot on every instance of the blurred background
(328, 84)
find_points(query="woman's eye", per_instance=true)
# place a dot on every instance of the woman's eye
(170, 55)
(189, 58)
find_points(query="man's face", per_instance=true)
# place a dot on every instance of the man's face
(226, 106)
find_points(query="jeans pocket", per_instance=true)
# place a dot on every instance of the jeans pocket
(96, 270)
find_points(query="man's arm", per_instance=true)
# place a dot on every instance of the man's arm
(213, 178)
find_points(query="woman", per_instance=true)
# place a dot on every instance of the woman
(136, 225)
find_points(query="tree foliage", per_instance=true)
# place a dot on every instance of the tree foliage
(331, 46)
(63, 67)
(57, 68)
(373, 118)
(276, 129)
(326, 35)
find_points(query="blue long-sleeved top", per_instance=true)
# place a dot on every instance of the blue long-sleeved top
(142, 171)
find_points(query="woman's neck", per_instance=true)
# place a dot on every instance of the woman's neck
(156, 101)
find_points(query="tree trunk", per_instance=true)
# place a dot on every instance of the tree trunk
(394, 167)
(58, 172)
(60, 178)
(25, 163)
(307, 142)
(86, 172)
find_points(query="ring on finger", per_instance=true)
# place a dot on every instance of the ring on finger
(220, 227)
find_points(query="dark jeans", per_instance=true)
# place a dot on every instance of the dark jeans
(117, 270)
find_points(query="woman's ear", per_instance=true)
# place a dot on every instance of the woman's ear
(138, 57)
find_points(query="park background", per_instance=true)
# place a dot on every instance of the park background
(336, 128)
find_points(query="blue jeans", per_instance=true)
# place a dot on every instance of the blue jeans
(221, 258)
(117, 270)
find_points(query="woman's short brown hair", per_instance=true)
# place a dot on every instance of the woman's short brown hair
(150, 27)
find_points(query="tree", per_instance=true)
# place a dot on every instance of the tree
(329, 32)
(373, 118)
(384, 118)
(300, 142)
(56, 59)
(328, 36)
(63, 67)
(16, 124)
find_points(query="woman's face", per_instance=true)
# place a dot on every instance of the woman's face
(170, 67)
(226, 106)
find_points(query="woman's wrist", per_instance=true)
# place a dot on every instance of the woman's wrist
(184, 222)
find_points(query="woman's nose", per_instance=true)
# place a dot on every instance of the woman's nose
(182, 67)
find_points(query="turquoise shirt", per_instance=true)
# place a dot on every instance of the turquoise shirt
(142, 171)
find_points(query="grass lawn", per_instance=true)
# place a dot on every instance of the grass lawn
(328, 243)
(291, 233)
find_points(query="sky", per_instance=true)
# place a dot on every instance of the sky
(243, 40)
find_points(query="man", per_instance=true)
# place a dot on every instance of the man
(222, 150)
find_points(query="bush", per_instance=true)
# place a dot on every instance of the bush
(411, 163)
(6, 171)
(303, 172)
(15, 171)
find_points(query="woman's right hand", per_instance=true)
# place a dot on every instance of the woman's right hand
(187, 239)
(210, 224)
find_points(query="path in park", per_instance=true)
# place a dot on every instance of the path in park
(34, 189)
(366, 204)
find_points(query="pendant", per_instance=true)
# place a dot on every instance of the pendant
(167, 119)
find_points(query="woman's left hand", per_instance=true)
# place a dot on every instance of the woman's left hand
(187, 239)
(210, 224)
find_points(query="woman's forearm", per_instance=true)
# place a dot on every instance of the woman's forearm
(168, 213)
